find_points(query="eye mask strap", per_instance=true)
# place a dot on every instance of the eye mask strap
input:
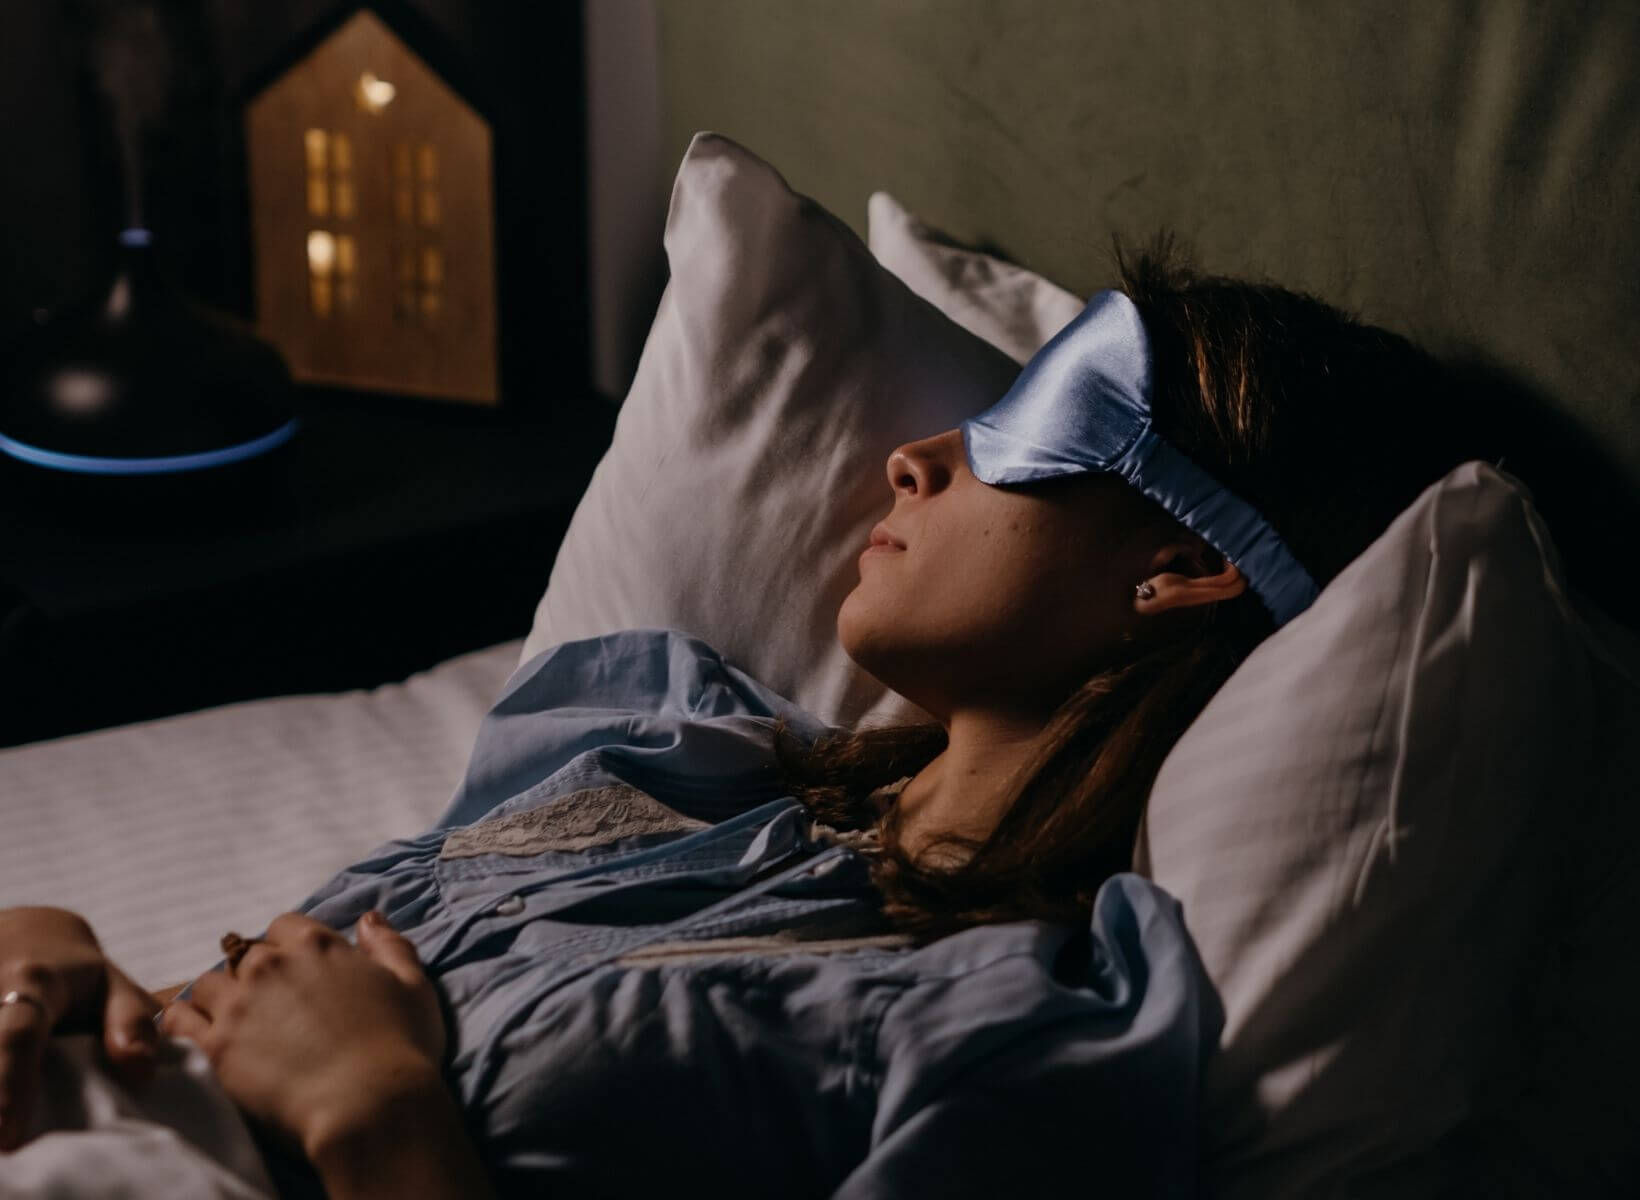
(1224, 520)
(1083, 404)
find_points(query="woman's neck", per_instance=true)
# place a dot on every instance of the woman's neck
(964, 790)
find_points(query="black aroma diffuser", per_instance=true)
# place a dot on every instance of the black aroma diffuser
(139, 381)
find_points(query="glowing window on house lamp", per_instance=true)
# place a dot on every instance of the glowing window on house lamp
(333, 256)
(417, 212)
(333, 272)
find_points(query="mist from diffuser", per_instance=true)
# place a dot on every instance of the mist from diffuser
(141, 382)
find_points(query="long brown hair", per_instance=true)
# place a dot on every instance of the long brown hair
(1328, 426)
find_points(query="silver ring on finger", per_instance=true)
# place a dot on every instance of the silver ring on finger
(19, 997)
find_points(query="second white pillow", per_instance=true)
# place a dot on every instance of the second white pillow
(1014, 309)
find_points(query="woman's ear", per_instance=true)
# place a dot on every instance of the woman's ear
(1184, 575)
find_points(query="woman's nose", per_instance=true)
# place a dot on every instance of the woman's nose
(924, 467)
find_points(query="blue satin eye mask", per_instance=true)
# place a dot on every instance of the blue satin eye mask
(1083, 404)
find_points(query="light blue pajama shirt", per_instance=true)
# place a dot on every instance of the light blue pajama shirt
(664, 979)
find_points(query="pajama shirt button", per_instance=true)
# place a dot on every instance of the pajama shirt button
(509, 906)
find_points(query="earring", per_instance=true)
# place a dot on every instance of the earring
(1145, 591)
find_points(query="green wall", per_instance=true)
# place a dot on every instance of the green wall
(1468, 174)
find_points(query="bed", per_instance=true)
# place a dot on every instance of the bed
(276, 795)
(1467, 177)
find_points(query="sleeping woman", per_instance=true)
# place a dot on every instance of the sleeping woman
(676, 935)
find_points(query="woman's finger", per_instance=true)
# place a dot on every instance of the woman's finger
(296, 931)
(25, 1024)
(183, 1019)
(129, 1037)
(209, 990)
(390, 948)
(262, 957)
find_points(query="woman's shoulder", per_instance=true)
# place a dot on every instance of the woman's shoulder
(1027, 1029)
(1128, 982)
(1134, 922)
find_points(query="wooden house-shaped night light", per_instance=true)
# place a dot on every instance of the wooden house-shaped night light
(372, 221)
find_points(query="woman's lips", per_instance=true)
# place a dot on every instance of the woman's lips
(882, 537)
(882, 542)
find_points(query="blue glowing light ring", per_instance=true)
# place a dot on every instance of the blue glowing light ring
(167, 464)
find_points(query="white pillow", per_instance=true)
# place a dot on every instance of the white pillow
(1015, 310)
(1365, 826)
(747, 466)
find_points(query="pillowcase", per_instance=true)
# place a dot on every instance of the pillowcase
(747, 465)
(1355, 825)
(1503, 760)
(1015, 310)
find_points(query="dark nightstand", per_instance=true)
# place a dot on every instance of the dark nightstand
(387, 536)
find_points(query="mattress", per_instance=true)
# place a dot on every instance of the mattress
(166, 833)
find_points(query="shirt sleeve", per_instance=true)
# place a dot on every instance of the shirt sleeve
(656, 705)
(1059, 1067)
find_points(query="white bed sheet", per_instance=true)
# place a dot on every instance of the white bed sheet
(167, 833)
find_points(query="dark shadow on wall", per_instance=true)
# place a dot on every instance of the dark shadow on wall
(1577, 482)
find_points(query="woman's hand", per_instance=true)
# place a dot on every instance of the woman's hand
(60, 982)
(315, 1037)
(337, 1049)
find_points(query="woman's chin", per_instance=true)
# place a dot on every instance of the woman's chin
(857, 632)
(872, 647)
(848, 625)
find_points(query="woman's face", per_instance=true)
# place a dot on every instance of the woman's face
(1002, 595)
